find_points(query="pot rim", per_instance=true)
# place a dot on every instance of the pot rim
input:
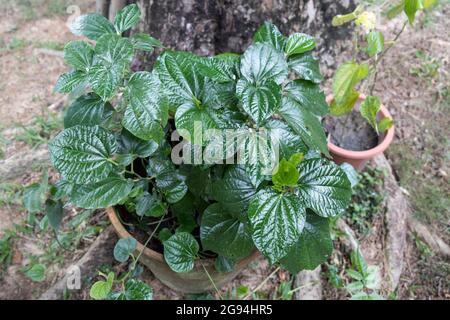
(366, 154)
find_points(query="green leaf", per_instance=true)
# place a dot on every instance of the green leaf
(127, 143)
(375, 43)
(101, 289)
(299, 43)
(63, 189)
(33, 198)
(113, 49)
(260, 101)
(164, 234)
(54, 212)
(235, 190)
(224, 233)
(394, 10)
(285, 174)
(144, 203)
(79, 54)
(307, 95)
(261, 62)
(184, 210)
(36, 273)
(411, 8)
(89, 110)
(180, 251)
(346, 77)
(305, 124)
(323, 187)
(124, 248)
(219, 68)
(306, 67)
(138, 290)
(102, 194)
(223, 264)
(127, 18)
(369, 110)
(67, 82)
(269, 33)
(385, 124)
(143, 41)
(346, 105)
(144, 115)
(289, 142)
(91, 25)
(351, 173)
(277, 221)
(312, 248)
(105, 79)
(83, 154)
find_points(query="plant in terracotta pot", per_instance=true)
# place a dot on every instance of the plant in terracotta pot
(361, 127)
(204, 161)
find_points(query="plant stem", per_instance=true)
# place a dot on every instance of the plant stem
(261, 284)
(212, 281)
(146, 242)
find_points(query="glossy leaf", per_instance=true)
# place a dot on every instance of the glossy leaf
(223, 264)
(79, 54)
(299, 43)
(83, 154)
(130, 144)
(289, 142)
(323, 187)
(307, 95)
(137, 290)
(224, 233)
(67, 82)
(312, 248)
(102, 194)
(92, 25)
(306, 67)
(268, 33)
(277, 221)
(124, 248)
(105, 79)
(88, 110)
(127, 18)
(261, 62)
(113, 49)
(143, 41)
(218, 68)
(180, 251)
(101, 289)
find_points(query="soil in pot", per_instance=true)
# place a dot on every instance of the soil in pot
(351, 132)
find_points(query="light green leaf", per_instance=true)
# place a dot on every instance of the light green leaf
(102, 194)
(67, 82)
(394, 10)
(269, 33)
(143, 41)
(346, 105)
(285, 174)
(260, 101)
(79, 54)
(89, 110)
(306, 67)
(307, 95)
(369, 110)
(261, 62)
(91, 25)
(312, 248)
(346, 77)
(127, 18)
(299, 43)
(385, 124)
(144, 115)
(235, 190)
(180, 251)
(375, 43)
(225, 233)
(101, 289)
(124, 248)
(54, 212)
(323, 187)
(83, 154)
(36, 273)
(411, 8)
(277, 221)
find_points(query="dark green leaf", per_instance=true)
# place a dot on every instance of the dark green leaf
(299, 43)
(223, 264)
(269, 33)
(224, 233)
(35, 194)
(312, 248)
(79, 55)
(288, 141)
(54, 212)
(306, 67)
(175, 192)
(261, 62)
(143, 41)
(137, 290)
(92, 25)
(277, 220)
(102, 194)
(218, 68)
(323, 187)
(127, 18)
(180, 251)
(164, 234)
(67, 82)
(106, 79)
(124, 248)
(130, 144)
(113, 49)
(307, 95)
(83, 154)
(89, 110)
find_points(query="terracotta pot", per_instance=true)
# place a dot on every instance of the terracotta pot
(195, 281)
(358, 159)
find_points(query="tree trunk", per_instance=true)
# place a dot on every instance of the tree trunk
(209, 27)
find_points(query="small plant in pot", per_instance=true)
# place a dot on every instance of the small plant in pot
(204, 161)
(360, 126)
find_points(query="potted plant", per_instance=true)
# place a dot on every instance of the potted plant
(367, 127)
(202, 162)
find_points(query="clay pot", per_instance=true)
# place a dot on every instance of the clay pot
(195, 281)
(358, 159)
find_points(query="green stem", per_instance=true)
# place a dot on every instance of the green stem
(212, 281)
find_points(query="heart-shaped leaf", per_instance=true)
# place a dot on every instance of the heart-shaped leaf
(79, 55)
(269, 33)
(91, 25)
(298, 43)
(180, 251)
(124, 248)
